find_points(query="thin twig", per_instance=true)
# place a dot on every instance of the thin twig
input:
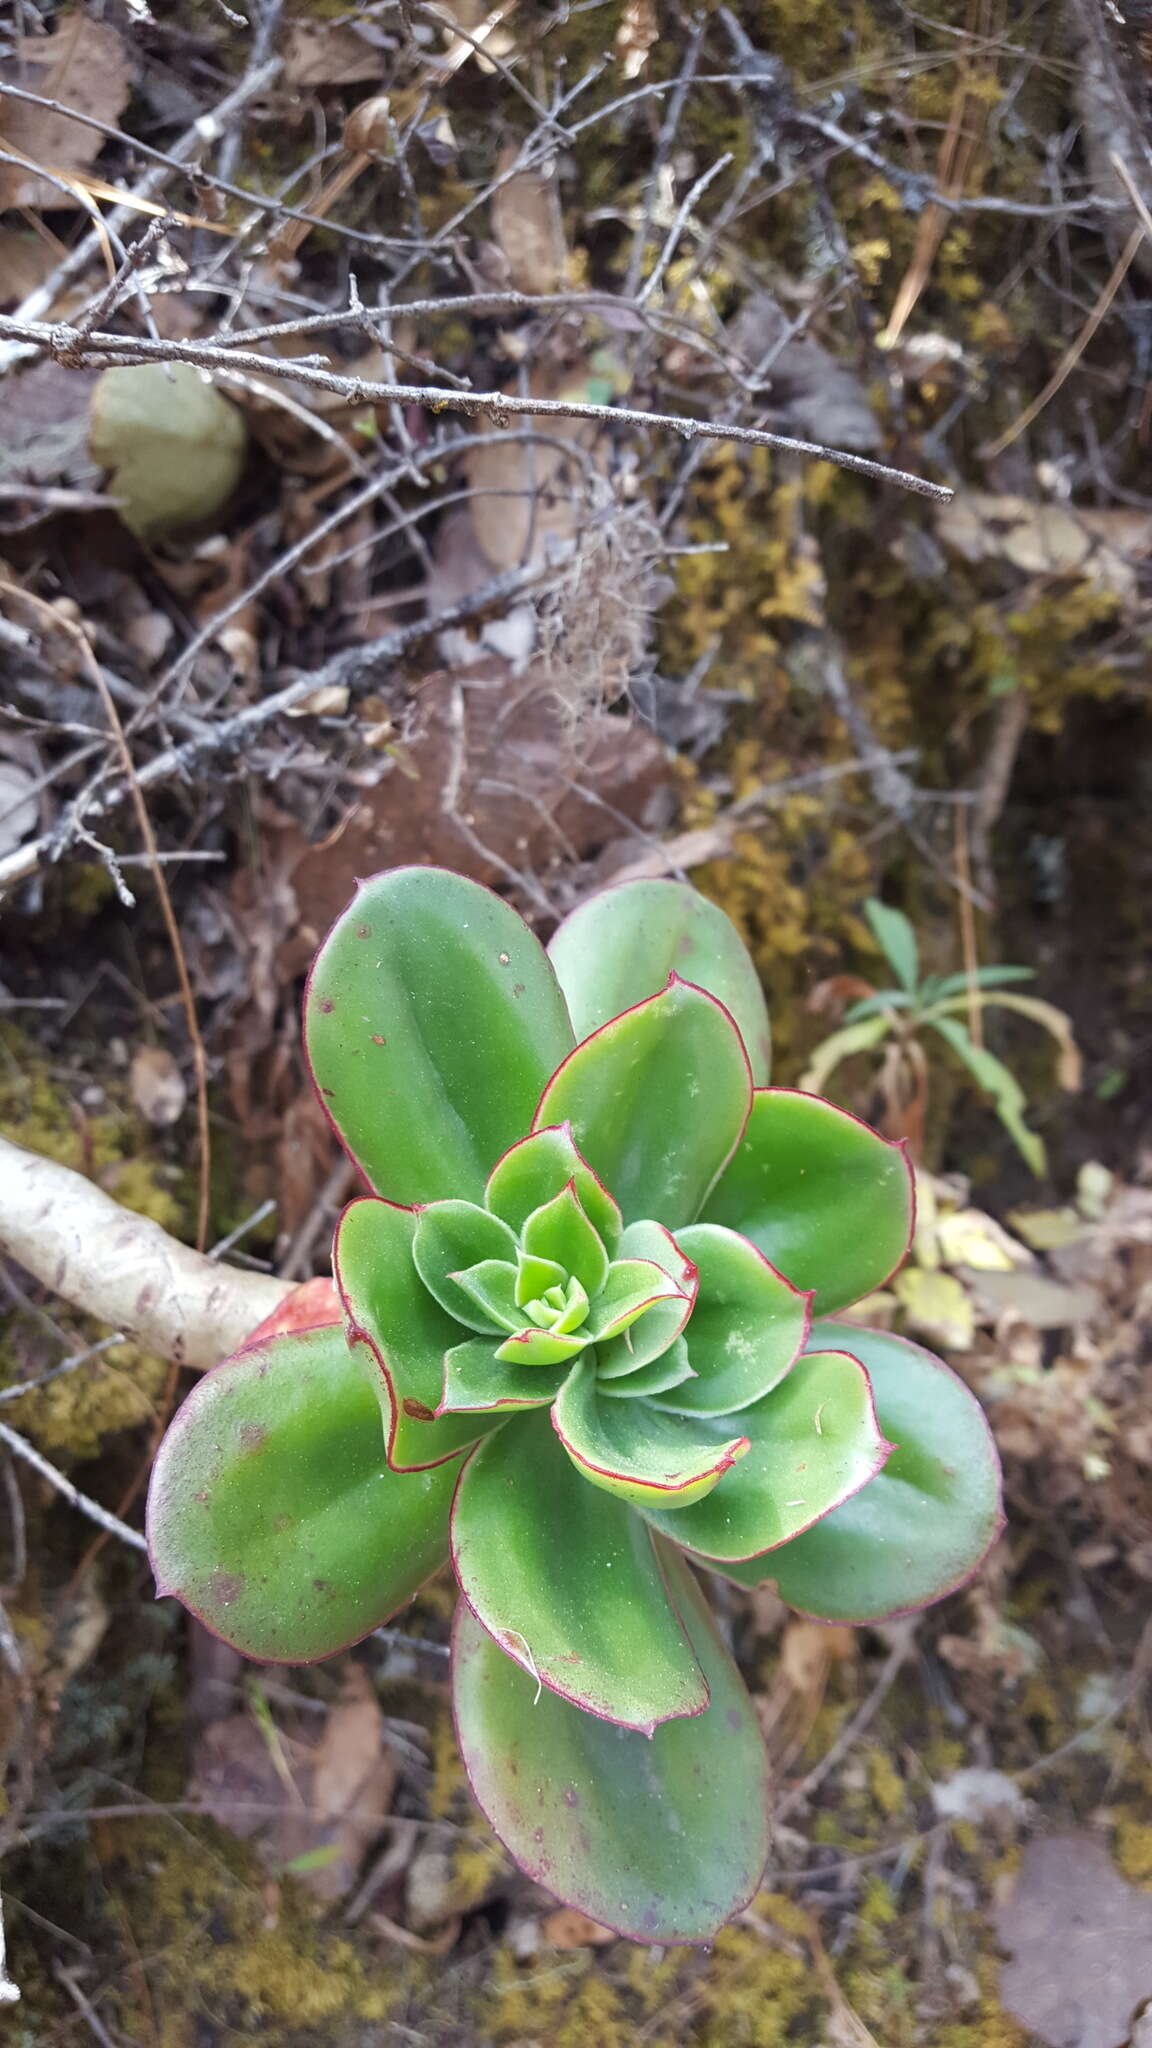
(860, 1722)
(92, 1508)
(178, 158)
(1072, 353)
(9, 1992)
(83, 646)
(357, 669)
(70, 346)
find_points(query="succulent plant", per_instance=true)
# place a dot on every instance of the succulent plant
(577, 1354)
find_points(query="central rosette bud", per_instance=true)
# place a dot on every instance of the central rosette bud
(546, 1271)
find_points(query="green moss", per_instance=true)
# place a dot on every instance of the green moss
(113, 1147)
(1132, 1848)
(224, 1950)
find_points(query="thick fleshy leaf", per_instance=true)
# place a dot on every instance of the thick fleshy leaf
(476, 1378)
(657, 1101)
(450, 1237)
(814, 1440)
(922, 1526)
(746, 1329)
(671, 1369)
(272, 1512)
(432, 1022)
(660, 1325)
(663, 1839)
(622, 945)
(826, 1199)
(404, 1332)
(541, 1347)
(535, 1277)
(637, 1451)
(560, 1231)
(490, 1288)
(538, 1168)
(569, 1583)
(632, 1287)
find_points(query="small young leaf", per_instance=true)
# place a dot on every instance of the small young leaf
(561, 1232)
(449, 1238)
(403, 1331)
(632, 1288)
(650, 1336)
(491, 1289)
(896, 940)
(541, 1347)
(746, 1329)
(477, 1379)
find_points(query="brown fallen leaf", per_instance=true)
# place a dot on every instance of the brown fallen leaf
(1080, 1943)
(85, 64)
(788, 1711)
(531, 496)
(329, 53)
(1103, 547)
(639, 32)
(490, 775)
(353, 1778)
(313, 1808)
(157, 1086)
(568, 1928)
(529, 228)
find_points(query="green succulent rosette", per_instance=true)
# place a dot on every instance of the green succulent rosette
(578, 1356)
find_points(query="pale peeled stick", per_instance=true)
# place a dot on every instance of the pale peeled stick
(174, 445)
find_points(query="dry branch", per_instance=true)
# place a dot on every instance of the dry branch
(77, 349)
(357, 669)
(124, 1269)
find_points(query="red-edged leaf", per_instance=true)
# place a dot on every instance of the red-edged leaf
(923, 1526)
(814, 1441)
(536, 1169)
(663, 1839)
(660, 1325)
(657, 1101)
(272, 1512)
(477, 1379)
(622, 945)
(746, 1329)
(568, 1582)
(827, 1200)
(636, 1450)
